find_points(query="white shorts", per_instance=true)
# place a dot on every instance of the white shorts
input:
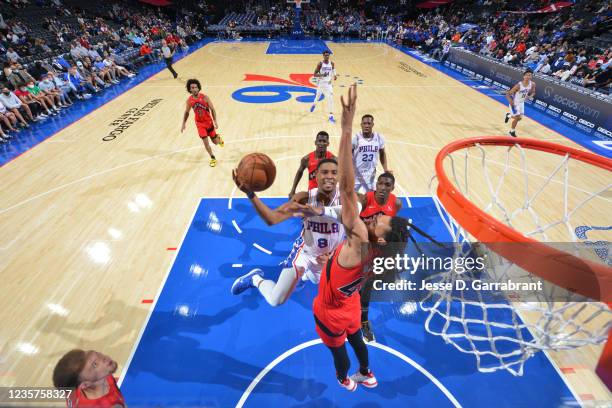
(366, 183)
(298, 258)
(326, 89)
(519, 109)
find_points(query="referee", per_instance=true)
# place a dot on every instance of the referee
(168, 54)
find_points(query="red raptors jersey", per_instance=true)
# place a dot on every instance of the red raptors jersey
(313, 162)
(339, 286)
(372, 209)
(113, 397)
(201, 109)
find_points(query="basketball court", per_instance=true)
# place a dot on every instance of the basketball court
(117, 236)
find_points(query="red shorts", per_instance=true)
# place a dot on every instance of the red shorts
(206, 130)
(334, 324)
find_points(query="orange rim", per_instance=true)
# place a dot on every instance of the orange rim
(587, 278)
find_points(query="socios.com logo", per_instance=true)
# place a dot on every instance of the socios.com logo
(548, 91)
(298, 86)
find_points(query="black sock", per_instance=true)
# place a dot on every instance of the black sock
(212, 156)
(360, 348)
(364, 370)
(341, 361)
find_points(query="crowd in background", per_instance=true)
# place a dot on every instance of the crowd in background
(547, 43)
(72, 53)
(82, 53)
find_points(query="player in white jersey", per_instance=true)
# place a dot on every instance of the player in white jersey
(320, 236)
(367, 146)
(516, 98)
(325, 73)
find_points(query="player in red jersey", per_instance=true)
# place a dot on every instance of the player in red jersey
(336, 307)
(205, 117)
(382, 201)
(90, 375)
(311, 162)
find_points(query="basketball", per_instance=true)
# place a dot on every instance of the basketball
(256, 171)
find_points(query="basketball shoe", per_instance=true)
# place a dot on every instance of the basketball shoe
(245, 281)
(349, 384)
(368, 380)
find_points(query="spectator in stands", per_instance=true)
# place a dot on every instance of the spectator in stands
(543, 67)
(83, 67)
(599, 78)
(16, 74)
(14, 104)
(117, 70)
(64, 85)
(103, 72)
(82, 86)
(12, 55)
(38, 105)
(8, 118)
(147, 52)
(48, 86)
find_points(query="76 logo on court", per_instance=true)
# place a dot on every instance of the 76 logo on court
(298, 86)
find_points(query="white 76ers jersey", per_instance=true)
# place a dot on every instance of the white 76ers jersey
(522, 93)
(326, 71)
(365, 153)
(321, 234)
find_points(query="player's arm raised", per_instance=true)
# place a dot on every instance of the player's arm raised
(355, 228)
(185, 116)
(298, 175)
(213, 112)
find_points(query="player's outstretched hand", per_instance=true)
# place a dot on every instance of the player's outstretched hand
(239, 184)
(183, 128)
(302, 210)
(349, 106)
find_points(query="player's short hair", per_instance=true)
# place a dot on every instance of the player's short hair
(367, 115)
(67, 370)
(323, 161)
(326, 52)
(322, 133)
(193, 81)
(527, 71)
(387, 175)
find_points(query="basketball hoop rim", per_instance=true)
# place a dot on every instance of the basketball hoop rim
(584, 277)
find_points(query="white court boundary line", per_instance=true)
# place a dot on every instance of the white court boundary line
(310, 343)
(159, 291)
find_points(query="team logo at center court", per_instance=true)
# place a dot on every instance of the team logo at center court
(280, 90)
(301, 87)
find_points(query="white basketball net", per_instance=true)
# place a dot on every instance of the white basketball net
(504, 334)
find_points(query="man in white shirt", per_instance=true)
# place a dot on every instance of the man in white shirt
(14, 104)
(12, 55)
